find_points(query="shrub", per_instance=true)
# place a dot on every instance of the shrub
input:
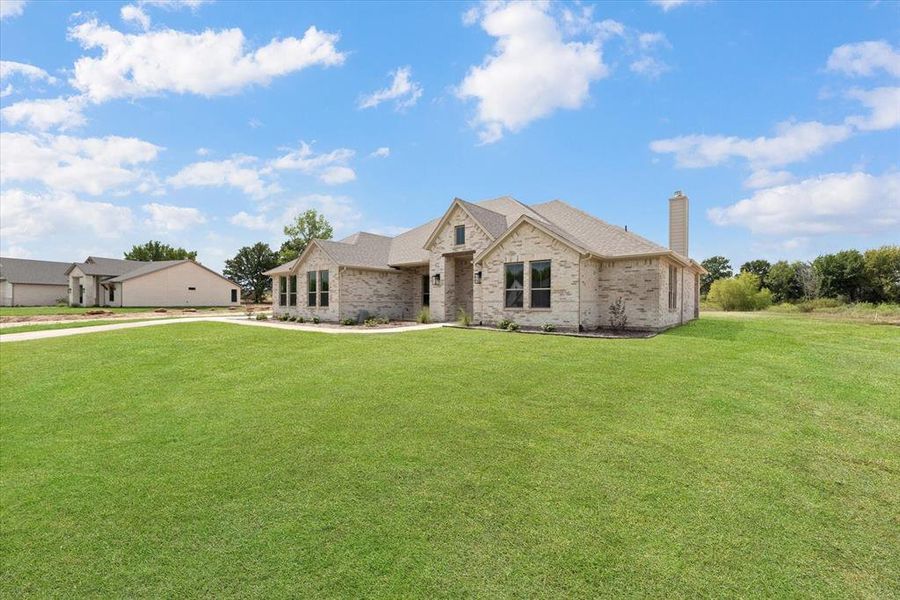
(513, 326)
(503, 324)
(740, 293)
(284, 317)
(463, 318)
(261, 317)
(293, 319)
(617, 317)
(375, 321)
(548, 327)
(316, 320)
(301, 320)
(424, 315)
(348, 321)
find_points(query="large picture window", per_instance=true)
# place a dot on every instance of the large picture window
(292, 290)
(323, 288)
(540, 284)
(460, 235)
(514, 292)
(311, 288)
(282, 291)
(673, 288)
(426, 290)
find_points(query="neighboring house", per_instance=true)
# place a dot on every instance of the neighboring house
(26, 282)
(500, 259)
(114, 282)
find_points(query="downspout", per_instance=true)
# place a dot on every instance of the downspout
(681, 306)
(580, 283)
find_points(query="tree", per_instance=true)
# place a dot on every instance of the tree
(740, 293)
(154, 250)
(307, 226)
(719, 267)
(247, 267)
(842, 275)
(810, 282)
(883, 274)
(783, 279)
(758, 267)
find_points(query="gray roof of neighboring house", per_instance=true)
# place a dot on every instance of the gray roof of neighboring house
(111, 267)
(44, 272)
(496, 215)
(145, 268)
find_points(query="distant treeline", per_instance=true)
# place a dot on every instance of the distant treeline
(849, 276)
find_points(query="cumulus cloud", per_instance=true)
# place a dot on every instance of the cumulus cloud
(884, 106)
(167, 218)
(208, 63)
(403, 91)
(531, 72)
(330, 167)
(340, 211)
(765, 178)
(65, 163)
(28, 216)
(833, 203)
(11, 8)
(240, 172)
(382, 152)
(649, 67)
(864, 59)
(47, 113)
(667, 5)
(10, 68)
(793, 142)
(245, 219)
(135, 14)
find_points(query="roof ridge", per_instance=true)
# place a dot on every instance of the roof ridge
(607, 223)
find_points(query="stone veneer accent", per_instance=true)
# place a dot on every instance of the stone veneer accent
(315, 260)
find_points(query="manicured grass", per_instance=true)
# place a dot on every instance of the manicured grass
(730, 457)
(27, 311)
(69, 325)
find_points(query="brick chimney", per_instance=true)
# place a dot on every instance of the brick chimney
(678, 223)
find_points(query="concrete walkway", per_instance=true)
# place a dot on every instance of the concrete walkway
(53, 333)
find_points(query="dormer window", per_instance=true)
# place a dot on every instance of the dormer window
(460, 232)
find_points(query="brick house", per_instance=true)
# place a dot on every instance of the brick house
(499, 259)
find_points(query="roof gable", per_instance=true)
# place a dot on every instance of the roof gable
(42, 272)
(493, 224)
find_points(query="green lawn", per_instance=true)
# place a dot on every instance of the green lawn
(730, 457)
(27, 311)
(69, 325)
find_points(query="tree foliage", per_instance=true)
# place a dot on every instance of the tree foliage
(307, 226)
(740, 293)
(784, 281)
(153, 250)
(759, 267)
(882, 267)
(719, 267)
(247, 267)
(842, 275)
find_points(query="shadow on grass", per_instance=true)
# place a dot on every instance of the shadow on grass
(713, 329)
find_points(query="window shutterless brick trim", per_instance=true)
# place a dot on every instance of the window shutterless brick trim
(311, 288)
(323, 288)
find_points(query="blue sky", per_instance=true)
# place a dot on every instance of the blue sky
(207, 124)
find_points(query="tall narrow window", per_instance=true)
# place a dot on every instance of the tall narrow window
(282, 291)
(323, 288)
(426, 290)
(673, 288)
(234, 296)
(292, 291)
(540, 284)
(514, 293)
(112, 293)
(460, 232)
(311, 288)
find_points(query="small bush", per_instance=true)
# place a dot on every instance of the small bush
(284, 317)
(261, 317)
(348, 321)
(316, 320)
(740, 293)
(463, 318)
(301, 320)
(293, 319)
(375, 321)
(424, 315)
(548, 327)
(617, 317)
(503, 324)
(513, 326)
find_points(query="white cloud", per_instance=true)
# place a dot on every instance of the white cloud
(884, 104)
(532, 71)
(256, 222)
(9, 68)
(6, 91)
(11, 8)
(64, 163)
(382, 152)
(340, 211)
(667, 5)
(240, 172)
(793, 142)
(202, 151)
(403, 91)
(833, 203)
(207, 63)
(47, 113)
(648, 41)
(864, 59)
(765, 178)
(25, 216)
(131, 13)
(649, 67)
(167, 218)
(330, 167)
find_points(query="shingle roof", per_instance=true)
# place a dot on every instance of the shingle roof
(145, 268)
(366, 250)
(408, 247)
(111, 267)
(494, 222)
(283, 268)
(23, 270)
